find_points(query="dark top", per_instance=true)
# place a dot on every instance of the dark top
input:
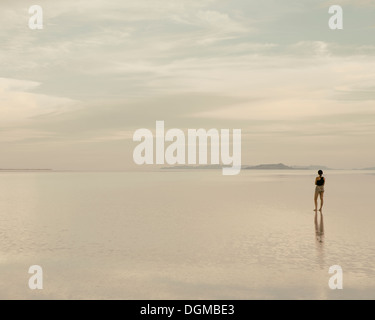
(320, 182)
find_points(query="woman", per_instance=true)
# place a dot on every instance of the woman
(319, 190)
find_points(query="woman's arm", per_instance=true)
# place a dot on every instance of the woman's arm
(316, 180)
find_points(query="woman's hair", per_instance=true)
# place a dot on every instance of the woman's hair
(320, 172)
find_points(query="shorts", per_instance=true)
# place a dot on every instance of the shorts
(319, 189)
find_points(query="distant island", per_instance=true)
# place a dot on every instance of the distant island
(278, 166)
(25, 170)
(281, 166)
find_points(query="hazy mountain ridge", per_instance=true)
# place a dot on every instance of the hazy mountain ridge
(26, 169)
(277, 166)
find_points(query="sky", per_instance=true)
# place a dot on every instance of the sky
(73, 94)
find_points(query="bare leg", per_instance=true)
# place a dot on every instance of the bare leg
(316, 201)
(321, 201)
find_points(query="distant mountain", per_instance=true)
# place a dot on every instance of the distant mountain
(279, 166)
(26, 170)
(373, 168)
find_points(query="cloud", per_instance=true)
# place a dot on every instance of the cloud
(99, 70)
(355, 3)
(18, 105)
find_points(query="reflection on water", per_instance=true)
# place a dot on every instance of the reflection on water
(319, 227)
(319, 236)
(185, 235)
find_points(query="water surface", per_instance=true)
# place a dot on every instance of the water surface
(186, 235)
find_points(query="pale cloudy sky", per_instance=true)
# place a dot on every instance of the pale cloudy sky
(72, 95)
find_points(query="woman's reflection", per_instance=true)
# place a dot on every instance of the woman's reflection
(319, 227)
(319, 236)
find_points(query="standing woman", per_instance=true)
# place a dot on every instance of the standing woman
(319, 190)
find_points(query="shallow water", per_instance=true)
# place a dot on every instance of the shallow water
(186, 235)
